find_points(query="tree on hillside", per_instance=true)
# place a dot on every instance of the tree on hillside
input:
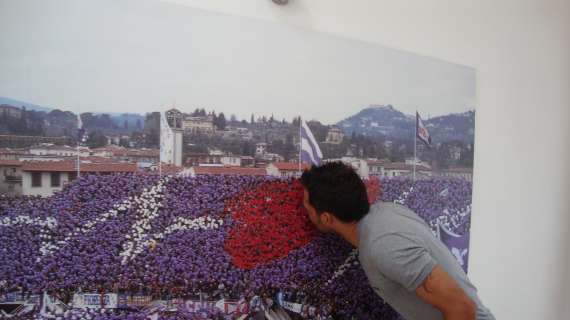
(96, 139)
(220, 121)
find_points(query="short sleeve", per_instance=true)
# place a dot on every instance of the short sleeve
(402, 259)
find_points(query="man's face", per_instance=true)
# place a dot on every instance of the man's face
(313, 215)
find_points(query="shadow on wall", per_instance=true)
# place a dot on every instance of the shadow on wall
(562, 296)
(294, 13)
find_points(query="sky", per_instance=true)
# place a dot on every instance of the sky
(138, 56)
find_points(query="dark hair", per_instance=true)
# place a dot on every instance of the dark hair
(336, 188)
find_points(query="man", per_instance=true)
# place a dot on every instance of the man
(405, 263)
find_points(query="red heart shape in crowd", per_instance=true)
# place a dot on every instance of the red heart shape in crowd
(373, 189)
(270, 221)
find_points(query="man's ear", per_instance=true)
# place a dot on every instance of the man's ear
(327, 218)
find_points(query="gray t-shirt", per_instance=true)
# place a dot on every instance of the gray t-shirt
(397, 250)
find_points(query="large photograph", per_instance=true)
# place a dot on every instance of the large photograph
(151, 152)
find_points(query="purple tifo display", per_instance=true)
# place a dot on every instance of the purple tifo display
(140, 234)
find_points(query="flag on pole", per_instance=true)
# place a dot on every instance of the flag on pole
(310, 151)
(457, 244)
(166, 140)
(81, 136)
(421, 131)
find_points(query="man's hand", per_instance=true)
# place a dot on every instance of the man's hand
(442, 292)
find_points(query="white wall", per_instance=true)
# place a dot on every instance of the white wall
(177, 157)
(521, 50)
(46, 189)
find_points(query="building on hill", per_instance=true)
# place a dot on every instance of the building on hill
(200, 124)
(260, 148)
(335, 135)
(10, 111)
(232, 132)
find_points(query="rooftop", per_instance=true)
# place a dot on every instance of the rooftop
(69, 166)
(230, 170)
(289, 166)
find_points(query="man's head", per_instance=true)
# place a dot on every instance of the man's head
(334, 194)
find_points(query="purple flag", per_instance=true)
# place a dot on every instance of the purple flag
(421, 130)
(457, 244)
(310, 151)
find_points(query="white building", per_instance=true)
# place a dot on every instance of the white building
(215, 152)
(12, 153)
(458, 172)
(141, 155)
(46, 177)
(384, 168)
(122, 154)
(270, 157)
(41, 158)
(376, 167)
(199, 124)
(260, 148)
(178, 141)
(109, 151)
(418, 161)
(397, 169)
(455, 153)
(359, 165)
(50, 152)
(193, 171)
(237, 132)
(53, 150)
(286, 169)
(334, 135)
(247, 161)
(262, 156)
(231, 161)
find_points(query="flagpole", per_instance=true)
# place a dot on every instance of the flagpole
(78, 161)
(300, 144)
(160, 137)
(415, 145)
(81, 133)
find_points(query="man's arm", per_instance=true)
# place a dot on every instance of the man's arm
(403, 259)
(442, 292)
